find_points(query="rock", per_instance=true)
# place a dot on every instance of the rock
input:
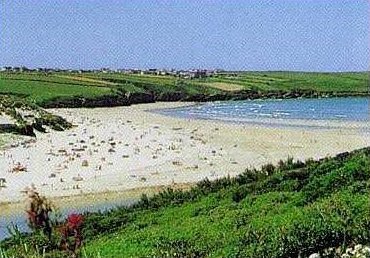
(314, 255)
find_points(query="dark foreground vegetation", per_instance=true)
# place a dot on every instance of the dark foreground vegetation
(104, 90)
(291, 209)
(25, 117)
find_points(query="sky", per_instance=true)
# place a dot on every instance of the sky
(296, 35)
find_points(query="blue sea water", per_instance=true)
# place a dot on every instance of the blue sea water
(336, 109)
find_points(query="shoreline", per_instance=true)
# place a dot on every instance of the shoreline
(9, 209)
(200, 149)
(146, 98)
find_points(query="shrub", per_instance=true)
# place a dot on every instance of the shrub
(38, 213)
(71, 234)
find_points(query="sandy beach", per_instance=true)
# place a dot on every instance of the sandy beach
(113, 150)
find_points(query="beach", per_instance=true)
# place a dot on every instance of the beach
(111, 151)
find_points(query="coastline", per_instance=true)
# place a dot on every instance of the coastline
(75, 202)
(173, 152)
(146, 98)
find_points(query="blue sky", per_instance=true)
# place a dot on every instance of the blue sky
(308, 35)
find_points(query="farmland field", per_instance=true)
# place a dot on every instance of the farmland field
(43, 88)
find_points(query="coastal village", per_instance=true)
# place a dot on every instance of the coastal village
(185, 74)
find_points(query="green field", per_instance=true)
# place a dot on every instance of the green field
(294, 208)
(321, 82)
(40, 88)
(44, 88)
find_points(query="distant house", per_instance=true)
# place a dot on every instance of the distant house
(197, 73)
(152, 71)
(105, 70)
(6, 69)
(134, 71)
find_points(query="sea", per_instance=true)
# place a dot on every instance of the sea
(347, 109)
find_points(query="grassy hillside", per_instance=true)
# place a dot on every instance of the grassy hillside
(291, 209)
(40, 88)
(278, 212)
(44, 88)
(321, 82)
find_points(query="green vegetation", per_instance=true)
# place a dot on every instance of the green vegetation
(28, 116)
(48, 88)
(158, 84)
(294, 208)
(41, 88)
(2, 141)
(288, 81)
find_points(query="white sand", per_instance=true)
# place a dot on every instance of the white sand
(124, 148)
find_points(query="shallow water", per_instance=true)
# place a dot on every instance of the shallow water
(247, 111)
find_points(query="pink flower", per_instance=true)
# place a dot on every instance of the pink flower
(74, 221)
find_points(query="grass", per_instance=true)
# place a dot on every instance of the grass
(3, 141)
(6, 138)
(294, 208)
(157, 84)
(297, 209)
(320, 82)
(224, 86)
(44, 88)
